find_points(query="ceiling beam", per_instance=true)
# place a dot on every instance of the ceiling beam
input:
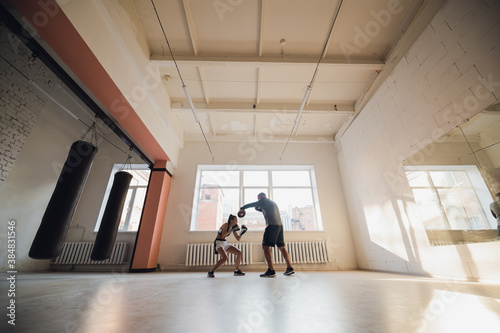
(255, 119)
(262, 20)
(212, 126)
(420, 21)
(296, 132)
(257, 97)
(367, 64)
(204, 85)
(190, 22)
(263, 109)
(248, 137)
(333, 28)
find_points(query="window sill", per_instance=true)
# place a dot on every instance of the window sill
(439, 237)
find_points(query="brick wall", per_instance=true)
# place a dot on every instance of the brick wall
(449, 74)
(20, 102)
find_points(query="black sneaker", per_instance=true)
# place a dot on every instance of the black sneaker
(211, 274)
(268, 273)
(289, 271)
(239, 273)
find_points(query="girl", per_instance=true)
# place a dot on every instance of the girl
(221, 245)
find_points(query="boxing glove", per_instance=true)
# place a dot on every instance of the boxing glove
(243, 229)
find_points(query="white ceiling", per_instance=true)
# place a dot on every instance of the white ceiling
(230, 56)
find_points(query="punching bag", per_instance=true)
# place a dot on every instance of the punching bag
(55, 223)
(105, 239)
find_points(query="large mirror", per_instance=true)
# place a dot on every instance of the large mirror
(456, 178)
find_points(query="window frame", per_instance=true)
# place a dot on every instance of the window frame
(268, 189)
(477, 185)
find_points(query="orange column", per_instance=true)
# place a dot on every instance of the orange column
(147, 244)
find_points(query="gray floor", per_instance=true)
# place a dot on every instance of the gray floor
(352, 301)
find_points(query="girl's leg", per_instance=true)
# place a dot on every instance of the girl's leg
(223, 258)
(236, 252)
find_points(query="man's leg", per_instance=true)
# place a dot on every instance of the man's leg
(286, 256)
(268, 256)
(281, 245)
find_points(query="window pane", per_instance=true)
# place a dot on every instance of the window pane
(296, 208)
(449, 178)
(462, 209)
(135, 216)
(291, 178)
(428, 209)
(417, 178)
(230, 203)
(140, 177)
(221, 193)
(214, 207)
(131, 213)
(126, 208)
(255, 178)
(220, 178)
(250, 194)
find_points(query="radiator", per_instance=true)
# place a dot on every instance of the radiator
(312, 252)
(202, 254)
(78, 253)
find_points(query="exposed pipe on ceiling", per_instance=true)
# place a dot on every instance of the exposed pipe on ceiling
(309, 87)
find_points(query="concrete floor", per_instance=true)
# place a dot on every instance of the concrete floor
(353, 301)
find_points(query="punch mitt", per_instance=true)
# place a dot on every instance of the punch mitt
(241, 213)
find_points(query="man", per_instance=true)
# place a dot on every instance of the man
(495, 211)
(273, 235)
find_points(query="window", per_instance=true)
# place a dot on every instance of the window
(220, 192)
(450, 197)
(136, 194)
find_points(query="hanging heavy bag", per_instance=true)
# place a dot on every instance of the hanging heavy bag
(108, 229)
(57, 218)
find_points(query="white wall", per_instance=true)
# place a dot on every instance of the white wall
(27, 191)
(118, 42)
(337, 232)
(448, 75)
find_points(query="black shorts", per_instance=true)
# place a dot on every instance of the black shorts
(273, 235)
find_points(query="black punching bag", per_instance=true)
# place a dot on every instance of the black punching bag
(105, 239)
(50, 237)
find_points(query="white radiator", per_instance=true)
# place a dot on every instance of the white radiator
(312, 252)
(202, 254)
(78, 253)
